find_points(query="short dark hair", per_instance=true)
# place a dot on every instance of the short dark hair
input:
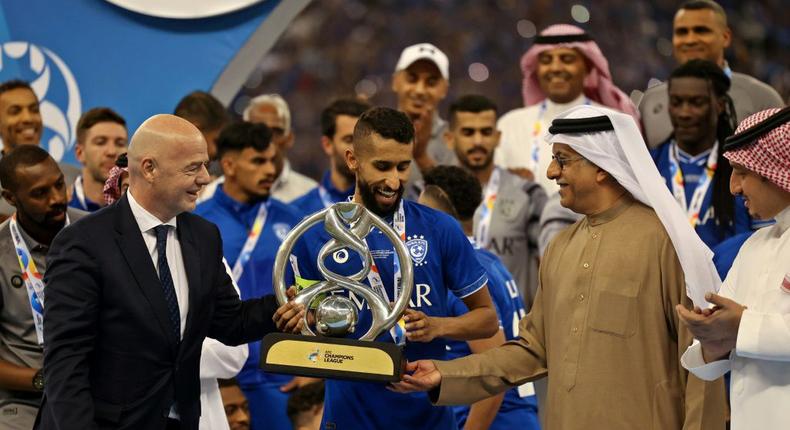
(460, 186)
(240, 135)
(303, 399)
(351, 107)
(203, 110)
(225, 383)
(722, 201)
(473, 103)
(14, 84)
(122, 160)
(95, 116)
(705, 4)
(22, 156)
(387, 123)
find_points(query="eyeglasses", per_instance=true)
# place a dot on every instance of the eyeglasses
(562, 161)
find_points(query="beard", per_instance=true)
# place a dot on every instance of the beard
(368, 193)
(342, 168)
(476, 165)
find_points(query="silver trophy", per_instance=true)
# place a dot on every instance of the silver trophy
(335, 315)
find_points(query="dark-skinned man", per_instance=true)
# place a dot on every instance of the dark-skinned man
(34, 185)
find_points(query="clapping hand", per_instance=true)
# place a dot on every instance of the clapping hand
(716, 328)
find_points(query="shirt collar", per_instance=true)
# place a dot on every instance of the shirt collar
(146, 220)
(282, 180)
(613, 212)
(229, 202)
(326, 182)
(32, 244)
(553, 109)
(783, 219)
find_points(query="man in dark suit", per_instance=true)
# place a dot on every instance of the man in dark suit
(132, 291)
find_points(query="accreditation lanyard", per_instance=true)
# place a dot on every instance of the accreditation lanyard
(252, 240)
(483, 228)
(79, 191)
(34, 282)
(703, 184)
(374, 276)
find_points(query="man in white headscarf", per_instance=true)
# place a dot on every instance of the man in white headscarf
(603, 323)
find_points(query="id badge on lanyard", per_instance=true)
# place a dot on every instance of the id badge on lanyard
(483, 227)
(34, 282)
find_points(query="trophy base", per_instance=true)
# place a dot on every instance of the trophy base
(332, 358)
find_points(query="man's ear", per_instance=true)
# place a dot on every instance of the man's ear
(228, 164)
(148, 167)
(79, 152)
(9, 197)
(351, 160)
(326, 145)
(449, 140)
(601, 176)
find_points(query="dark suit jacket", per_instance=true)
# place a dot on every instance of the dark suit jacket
(110, 357)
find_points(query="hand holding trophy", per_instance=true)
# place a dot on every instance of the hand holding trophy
(325, 352)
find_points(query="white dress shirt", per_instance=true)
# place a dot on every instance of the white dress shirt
(760, 362)
(147, 221)
(217, 360)
(519, 136)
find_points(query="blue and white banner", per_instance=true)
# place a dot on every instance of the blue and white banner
(138, 57)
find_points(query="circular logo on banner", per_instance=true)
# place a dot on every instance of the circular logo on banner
(55, 87)
(183, 9)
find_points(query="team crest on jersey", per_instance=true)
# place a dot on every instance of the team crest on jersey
(418, 249)
(507, 207)
(281, 230)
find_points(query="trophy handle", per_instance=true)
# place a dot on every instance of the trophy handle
(335, 219)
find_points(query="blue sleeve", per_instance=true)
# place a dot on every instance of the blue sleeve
(463, 274)
(724, 253)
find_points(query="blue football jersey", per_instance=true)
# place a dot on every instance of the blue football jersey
(444, 262)
(510, 309)
(321, 196)
(234, 221)
(693, 168)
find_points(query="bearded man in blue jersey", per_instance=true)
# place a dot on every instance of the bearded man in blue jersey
(444, 263)
(457, 192)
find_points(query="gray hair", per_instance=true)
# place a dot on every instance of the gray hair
(274, 100)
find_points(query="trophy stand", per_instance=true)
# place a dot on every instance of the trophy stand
(327, 354)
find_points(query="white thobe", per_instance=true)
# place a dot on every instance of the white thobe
(520, 134)
(760, 362)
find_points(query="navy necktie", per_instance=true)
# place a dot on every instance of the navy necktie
(167, 280)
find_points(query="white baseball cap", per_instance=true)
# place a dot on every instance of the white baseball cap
(424, 51)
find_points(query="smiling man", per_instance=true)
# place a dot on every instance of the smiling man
(34, 185)
(603, 320)
(562, 69)
(692, 161)
(444, 263)
(252, 225)
(747, 331)
(420, 82)
(700, 31)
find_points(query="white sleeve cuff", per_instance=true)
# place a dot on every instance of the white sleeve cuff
(693, 362)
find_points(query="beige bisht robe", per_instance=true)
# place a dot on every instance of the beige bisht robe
(604, 324)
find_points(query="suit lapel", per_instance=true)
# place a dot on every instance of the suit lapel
(130, 241)
(192, 266)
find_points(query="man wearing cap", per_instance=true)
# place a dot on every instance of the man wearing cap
(420, 82)
(603, 322)
(700, 31)
(747, 330)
